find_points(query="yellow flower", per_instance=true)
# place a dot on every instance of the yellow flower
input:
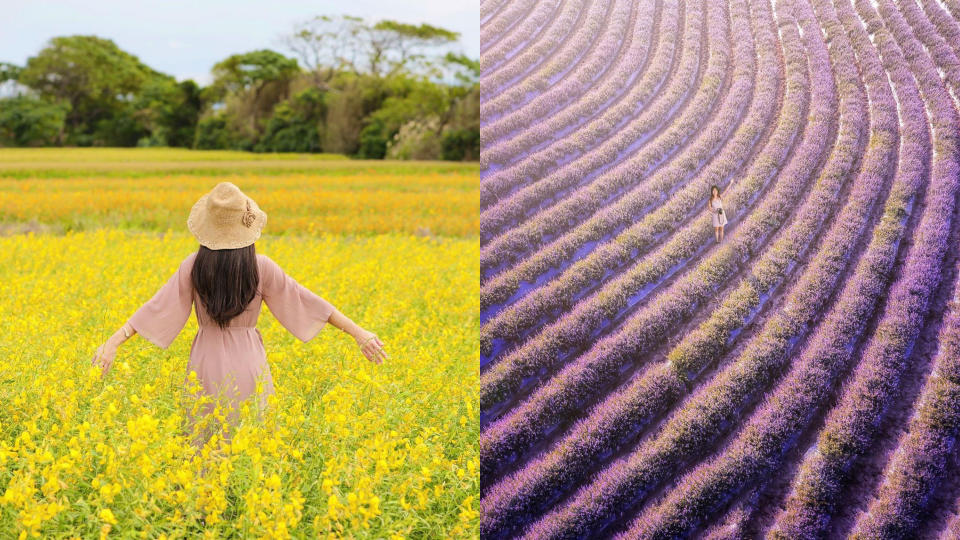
(376, 437)
(273, 482)
(332, 506)
(107, 515)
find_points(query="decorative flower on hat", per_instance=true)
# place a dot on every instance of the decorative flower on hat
(248, 217)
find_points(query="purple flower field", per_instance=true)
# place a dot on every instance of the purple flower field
(800, 378)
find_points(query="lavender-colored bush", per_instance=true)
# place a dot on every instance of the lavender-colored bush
(640, 380)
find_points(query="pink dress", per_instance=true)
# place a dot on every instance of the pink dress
(231, 359)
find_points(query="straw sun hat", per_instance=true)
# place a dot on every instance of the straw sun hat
(225, 218)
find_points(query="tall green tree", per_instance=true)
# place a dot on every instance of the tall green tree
(460, 121)
(98, 80)
(296, 124)
(31, 121)
(325, 45)
(408, 95)
(256, 81)
(9, 72)
(370, 89)
(394, 46)
(409, 99)
(169, 111)
(253, 71)
(382, 48)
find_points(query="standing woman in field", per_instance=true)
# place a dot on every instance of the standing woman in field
(716, 210)
(225, 281)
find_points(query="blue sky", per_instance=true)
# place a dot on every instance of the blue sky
(184, 38)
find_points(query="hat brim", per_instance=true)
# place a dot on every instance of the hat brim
(232, 236)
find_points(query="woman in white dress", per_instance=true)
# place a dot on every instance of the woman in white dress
(716, 210)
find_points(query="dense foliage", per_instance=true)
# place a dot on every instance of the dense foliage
(402, 94)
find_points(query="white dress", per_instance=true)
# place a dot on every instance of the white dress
(719, 220)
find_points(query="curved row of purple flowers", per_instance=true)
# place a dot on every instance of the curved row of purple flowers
(617, 230)
(585, 377)
(507, 19)
(551, 30)
(501, 379)
(666, 375)
(851, 426)
(598, 210)
(761, 444)
(521, 93)
(507, 195)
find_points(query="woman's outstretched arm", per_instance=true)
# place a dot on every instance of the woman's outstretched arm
(369, 343)
(727, 187)
(105, 354)
(304, 313)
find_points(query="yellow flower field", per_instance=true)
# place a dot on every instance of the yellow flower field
(347, 449)
(297, 204)
(154, 189)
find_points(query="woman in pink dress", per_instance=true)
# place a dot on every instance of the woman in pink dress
(225, 281)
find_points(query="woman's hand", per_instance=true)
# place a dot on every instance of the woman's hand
(104, 356)
(371, 346)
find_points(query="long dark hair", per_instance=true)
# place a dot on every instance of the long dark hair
(225, 280)
(714, 187)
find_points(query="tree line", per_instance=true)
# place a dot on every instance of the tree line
(368, 90)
